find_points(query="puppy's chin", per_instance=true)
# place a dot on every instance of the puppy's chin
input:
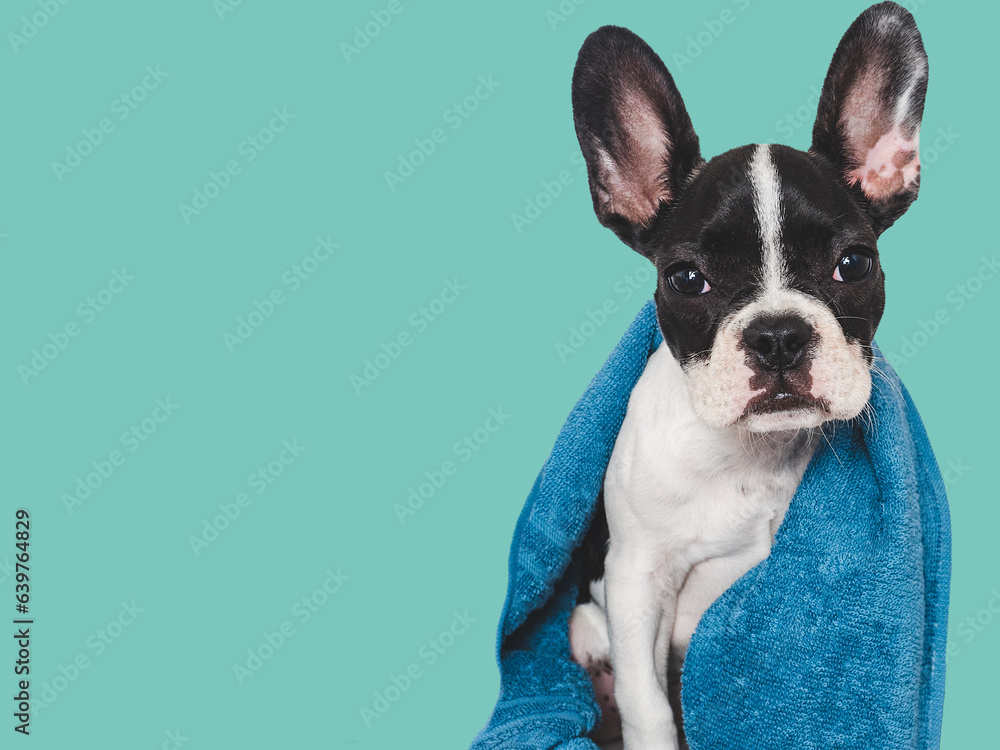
(790, 420)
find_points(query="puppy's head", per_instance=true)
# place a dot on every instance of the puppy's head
(769, 287)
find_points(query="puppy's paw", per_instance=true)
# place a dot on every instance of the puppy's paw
(602, 677)
(591, 649)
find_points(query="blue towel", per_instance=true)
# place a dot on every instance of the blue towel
(836, 640)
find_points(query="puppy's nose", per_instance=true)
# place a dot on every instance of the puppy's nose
(778, 343)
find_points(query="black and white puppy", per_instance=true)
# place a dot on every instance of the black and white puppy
(769, 291)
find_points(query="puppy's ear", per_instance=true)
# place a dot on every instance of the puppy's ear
(868, 118)
(634, 131)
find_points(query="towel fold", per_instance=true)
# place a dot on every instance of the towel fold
(836, 640)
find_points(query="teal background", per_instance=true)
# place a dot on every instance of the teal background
(493, 347)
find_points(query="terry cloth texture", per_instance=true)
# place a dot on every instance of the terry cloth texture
(836, 640)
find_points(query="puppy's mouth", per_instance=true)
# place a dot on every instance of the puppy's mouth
(783, 399)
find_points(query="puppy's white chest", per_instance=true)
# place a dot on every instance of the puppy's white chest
(698, 504)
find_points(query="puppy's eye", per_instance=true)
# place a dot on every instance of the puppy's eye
(688, 281)
(854, 266)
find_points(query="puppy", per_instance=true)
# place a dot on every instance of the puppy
(769, 291)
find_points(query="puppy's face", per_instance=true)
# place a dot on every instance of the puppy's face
(769, 291)
(769, 286)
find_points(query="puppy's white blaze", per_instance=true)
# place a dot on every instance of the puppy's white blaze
(767, 205)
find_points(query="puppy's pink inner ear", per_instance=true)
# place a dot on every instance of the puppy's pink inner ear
(884, 150)
(636, 183)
